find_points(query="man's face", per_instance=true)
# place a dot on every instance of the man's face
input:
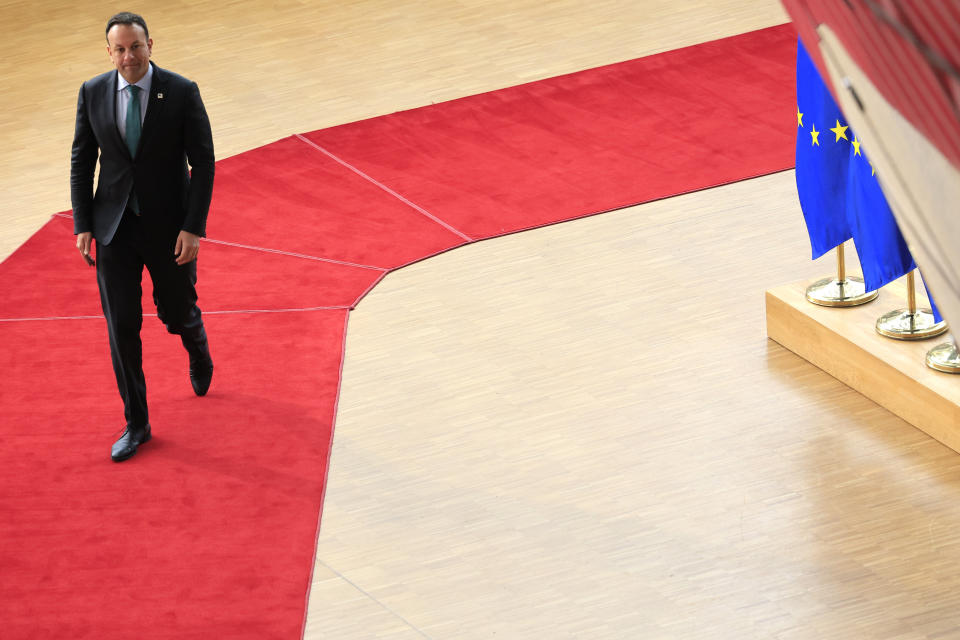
(129, 49)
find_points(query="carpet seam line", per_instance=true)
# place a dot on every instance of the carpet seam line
(384, 187)
(219, 312)
(291, 254)
(294, 254)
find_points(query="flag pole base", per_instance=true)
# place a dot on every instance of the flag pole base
(944, 357)
(904, 325)
(831, 292)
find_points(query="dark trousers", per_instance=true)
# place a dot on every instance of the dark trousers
(119, 273)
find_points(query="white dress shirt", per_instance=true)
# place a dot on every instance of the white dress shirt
(123, 99)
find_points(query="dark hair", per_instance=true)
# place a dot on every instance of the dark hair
(127, 18)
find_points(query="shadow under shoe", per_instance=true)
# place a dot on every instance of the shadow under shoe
(127, 445)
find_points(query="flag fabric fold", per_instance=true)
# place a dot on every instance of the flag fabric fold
(933, 306)
(821, 163)
(883, 252)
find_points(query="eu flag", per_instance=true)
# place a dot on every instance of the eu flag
(838, 189)
(823, 159)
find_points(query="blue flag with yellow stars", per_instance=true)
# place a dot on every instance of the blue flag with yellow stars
(823, 159)
(838, 189)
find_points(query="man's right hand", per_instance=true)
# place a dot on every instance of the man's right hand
(84, 240)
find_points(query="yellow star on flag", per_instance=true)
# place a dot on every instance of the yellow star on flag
(815, 134)
(799, 118)
(841, 131)
(856, 146)
(872, 170)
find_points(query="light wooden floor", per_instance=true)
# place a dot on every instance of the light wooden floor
(575, 432)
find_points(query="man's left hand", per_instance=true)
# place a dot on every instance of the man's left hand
(188, 246)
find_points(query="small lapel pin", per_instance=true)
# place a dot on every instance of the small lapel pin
(159, 96)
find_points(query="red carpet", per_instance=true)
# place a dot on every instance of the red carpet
(210, 530)
(587, 142)
(313, 205)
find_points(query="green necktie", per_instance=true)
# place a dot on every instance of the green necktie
(133, 119)
(133, 134)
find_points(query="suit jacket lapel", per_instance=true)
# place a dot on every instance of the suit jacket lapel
(154, 105)
(109, 105)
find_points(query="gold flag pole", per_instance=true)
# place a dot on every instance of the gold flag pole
(840, 291)
(910, 323)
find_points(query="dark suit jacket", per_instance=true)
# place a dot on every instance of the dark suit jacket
(175, 131)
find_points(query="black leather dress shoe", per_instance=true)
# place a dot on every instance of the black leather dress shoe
(127, 445)
(201, 373)
(201, 365)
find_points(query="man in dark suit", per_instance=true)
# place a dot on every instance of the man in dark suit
(146, 124)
